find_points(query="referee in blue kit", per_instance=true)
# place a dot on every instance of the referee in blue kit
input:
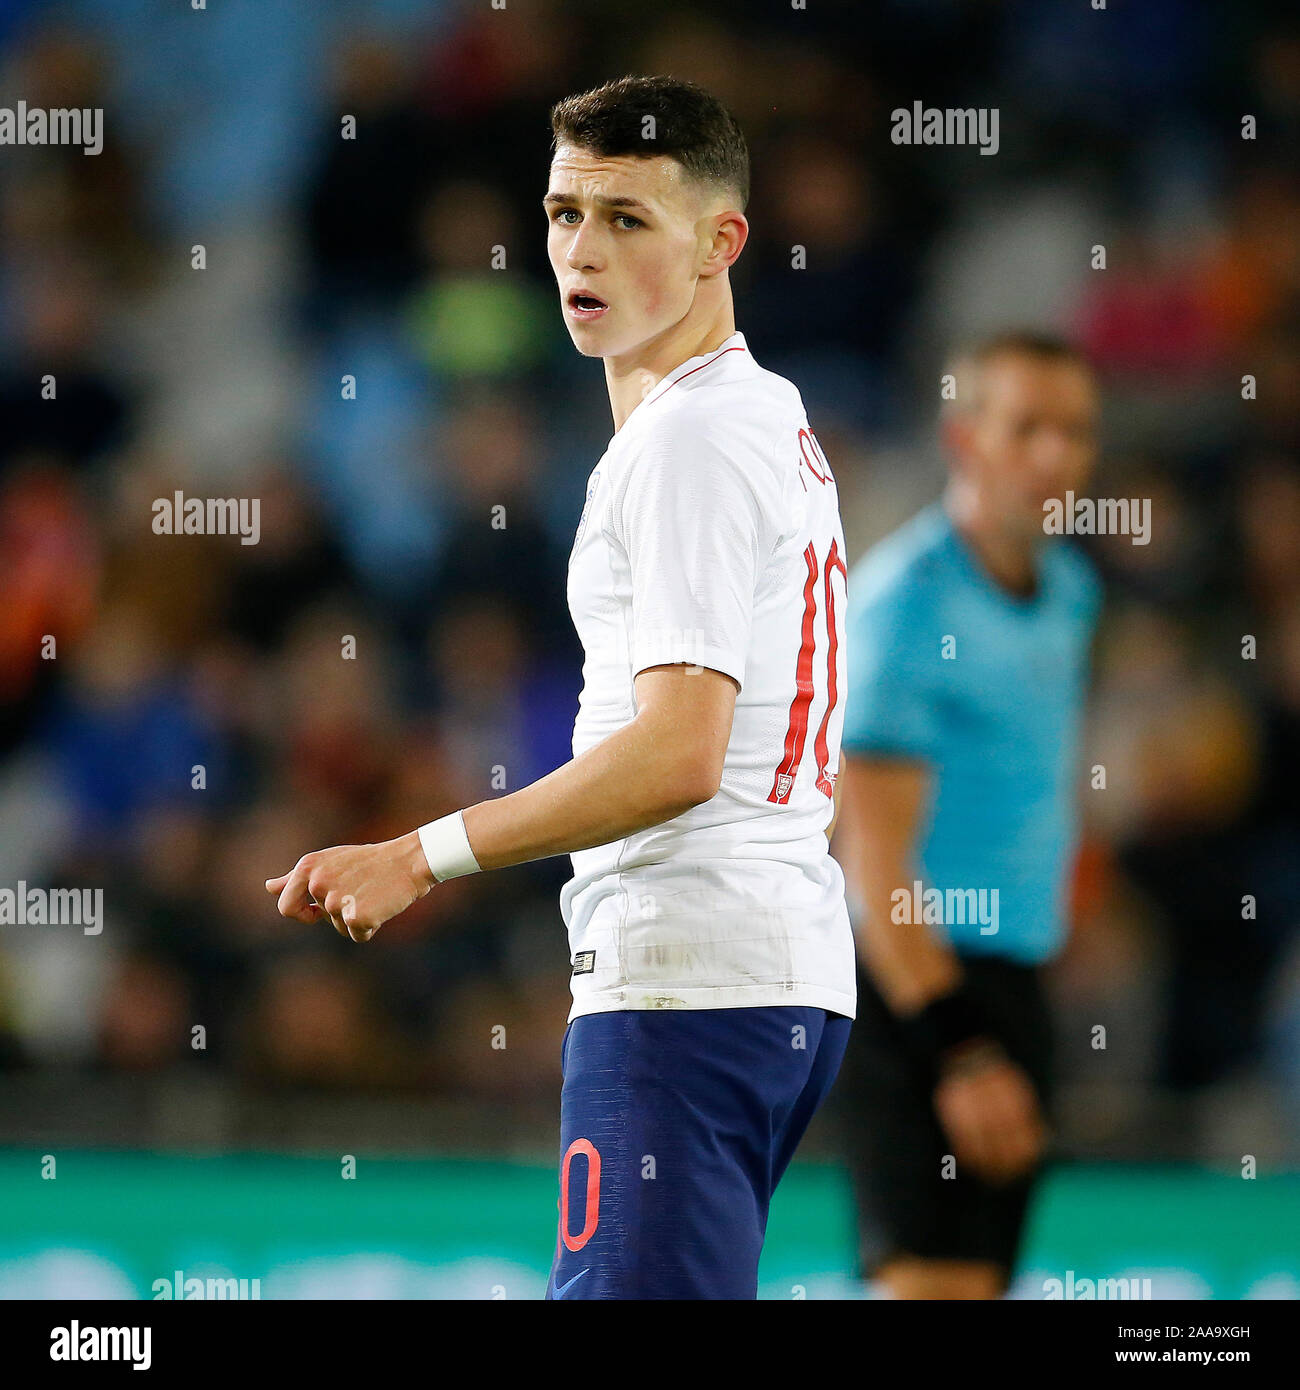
(969, 637)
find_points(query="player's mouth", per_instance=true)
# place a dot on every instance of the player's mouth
(584, 306)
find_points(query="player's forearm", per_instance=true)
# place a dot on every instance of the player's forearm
(642, 775)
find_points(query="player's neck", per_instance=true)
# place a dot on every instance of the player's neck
(1008, 557)
(632, 377)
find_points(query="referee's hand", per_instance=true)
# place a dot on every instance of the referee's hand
(990, 1113)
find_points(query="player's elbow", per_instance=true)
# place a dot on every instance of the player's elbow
(706, 789)
(701, 776)
(687, 781)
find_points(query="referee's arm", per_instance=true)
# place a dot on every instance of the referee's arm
(878, 828)
(983, 1099)
(838, 795)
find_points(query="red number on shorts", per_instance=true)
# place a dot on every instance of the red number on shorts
(592, 1220)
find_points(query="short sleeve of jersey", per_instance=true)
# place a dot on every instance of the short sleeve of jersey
(893, 654)
(696, 521)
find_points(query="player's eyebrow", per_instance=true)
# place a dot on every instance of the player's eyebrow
(569, 199)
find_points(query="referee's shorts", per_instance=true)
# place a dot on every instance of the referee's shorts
(896, 1146)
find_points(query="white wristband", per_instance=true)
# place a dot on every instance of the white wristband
(446, 847)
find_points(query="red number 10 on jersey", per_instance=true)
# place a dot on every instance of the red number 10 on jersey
(796, 733)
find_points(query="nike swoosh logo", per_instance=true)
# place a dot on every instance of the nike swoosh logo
(569, 1283)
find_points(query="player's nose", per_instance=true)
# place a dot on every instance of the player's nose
(582, 252)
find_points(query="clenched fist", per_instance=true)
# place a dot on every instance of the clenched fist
(990, 1112)
(358, 887)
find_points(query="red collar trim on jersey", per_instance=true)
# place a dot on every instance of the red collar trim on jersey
(670, 381)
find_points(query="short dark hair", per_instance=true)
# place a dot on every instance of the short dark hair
(967, 365)
(690, 125)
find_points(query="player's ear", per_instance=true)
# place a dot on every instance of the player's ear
(729, 233)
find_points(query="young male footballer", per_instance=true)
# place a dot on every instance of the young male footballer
(713, 965)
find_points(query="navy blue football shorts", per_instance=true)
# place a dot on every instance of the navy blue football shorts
(675, 1128)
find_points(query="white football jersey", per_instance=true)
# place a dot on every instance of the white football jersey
(711, 535)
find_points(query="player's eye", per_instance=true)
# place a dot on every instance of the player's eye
(561, 213)
(631, 221)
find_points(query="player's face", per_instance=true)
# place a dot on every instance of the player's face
(1033, 436)
(628, 238)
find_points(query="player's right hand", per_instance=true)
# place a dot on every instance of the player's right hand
(990, 1113)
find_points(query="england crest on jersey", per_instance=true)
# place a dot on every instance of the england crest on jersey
(586, 508)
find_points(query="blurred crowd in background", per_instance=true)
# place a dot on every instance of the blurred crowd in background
(373, 258)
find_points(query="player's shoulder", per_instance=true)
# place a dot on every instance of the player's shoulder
(724, 411)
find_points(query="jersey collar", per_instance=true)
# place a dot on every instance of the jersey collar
(693, 364)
